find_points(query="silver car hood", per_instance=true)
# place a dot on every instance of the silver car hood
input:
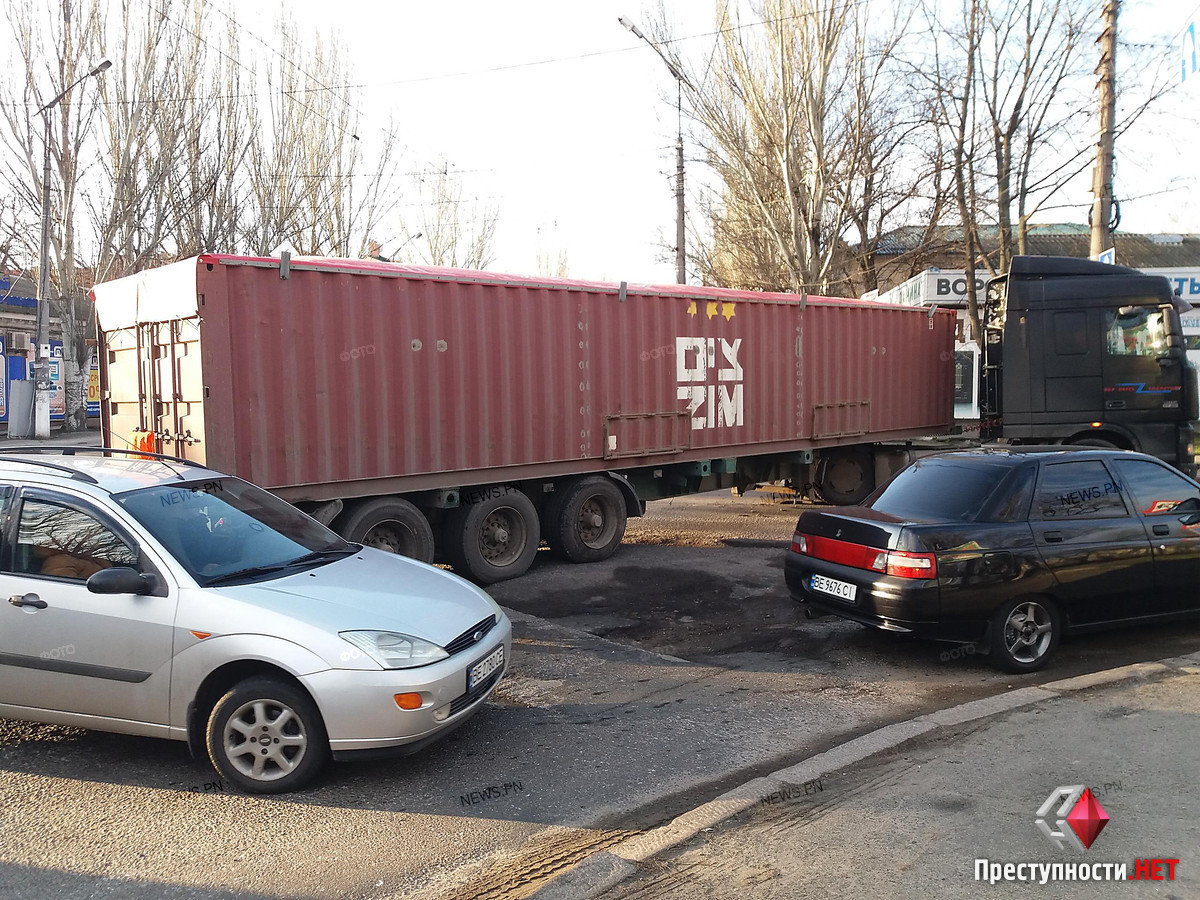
(374, 590)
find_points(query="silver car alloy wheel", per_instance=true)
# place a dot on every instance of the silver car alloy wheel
(265, 739)
(1028, 632)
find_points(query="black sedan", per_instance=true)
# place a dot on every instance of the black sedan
(1007, 549)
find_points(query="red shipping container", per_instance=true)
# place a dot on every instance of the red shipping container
(324, 378)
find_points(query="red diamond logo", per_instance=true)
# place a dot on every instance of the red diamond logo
(1088, 818)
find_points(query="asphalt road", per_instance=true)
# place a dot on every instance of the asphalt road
(640, 687)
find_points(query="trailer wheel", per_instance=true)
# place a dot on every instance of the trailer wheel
(391, 524)
(585, 520)
(846, 476)
(494, 539)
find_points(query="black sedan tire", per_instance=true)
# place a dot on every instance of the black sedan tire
(267, 736)
(1025, 632)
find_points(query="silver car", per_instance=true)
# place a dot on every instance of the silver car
(151, 596)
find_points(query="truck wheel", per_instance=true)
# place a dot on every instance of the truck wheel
(391, 524)
(267, 736)
(1094, 442)
(494, 539)
(585, 519)
(846, 476)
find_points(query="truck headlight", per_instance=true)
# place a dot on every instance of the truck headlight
(394, 650)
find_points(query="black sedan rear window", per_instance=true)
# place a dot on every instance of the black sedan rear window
(940, 489)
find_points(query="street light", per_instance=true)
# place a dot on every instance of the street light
(410, 239)
(680, 81)
(41, 365)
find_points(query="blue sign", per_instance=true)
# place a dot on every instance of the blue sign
(1188, 50)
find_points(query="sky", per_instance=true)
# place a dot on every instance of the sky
(577, 154)
(553, 113)
(566, 122)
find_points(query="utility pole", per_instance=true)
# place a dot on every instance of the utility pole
(1102, 175)
(680, 81)
(680, 251)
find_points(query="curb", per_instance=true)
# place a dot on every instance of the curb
(605, 869)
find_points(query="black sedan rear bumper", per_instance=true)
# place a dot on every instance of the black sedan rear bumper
(899, 605)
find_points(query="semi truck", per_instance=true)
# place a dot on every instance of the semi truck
(465, 417)
(1085, 353)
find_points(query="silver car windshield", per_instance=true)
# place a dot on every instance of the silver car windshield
(225, 530)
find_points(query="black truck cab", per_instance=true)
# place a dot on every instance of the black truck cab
(1081, 352)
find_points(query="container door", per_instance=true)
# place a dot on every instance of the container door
(177, 387)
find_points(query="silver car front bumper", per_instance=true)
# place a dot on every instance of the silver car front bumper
(361, 713)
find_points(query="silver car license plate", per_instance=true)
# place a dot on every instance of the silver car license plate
(478, 673)
(840, 589)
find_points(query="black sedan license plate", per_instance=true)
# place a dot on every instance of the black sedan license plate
(841, 589)
(479, 673)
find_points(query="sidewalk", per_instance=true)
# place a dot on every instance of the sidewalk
(906, 812)
(88, 438)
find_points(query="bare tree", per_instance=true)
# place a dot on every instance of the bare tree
(55, 43)
(792, 116)
(455, 230)
(310, 181)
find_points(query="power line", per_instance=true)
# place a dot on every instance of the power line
(461, 74)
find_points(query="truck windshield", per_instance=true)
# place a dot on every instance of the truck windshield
(224, 529)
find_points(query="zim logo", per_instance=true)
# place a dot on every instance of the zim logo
(1078, 820)
(711, 379)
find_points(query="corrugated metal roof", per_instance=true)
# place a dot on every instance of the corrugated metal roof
(1062, 239)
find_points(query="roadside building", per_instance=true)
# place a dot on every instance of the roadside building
(18, 335)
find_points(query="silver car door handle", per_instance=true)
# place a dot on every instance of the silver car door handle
(28, 600)
(1053, 537)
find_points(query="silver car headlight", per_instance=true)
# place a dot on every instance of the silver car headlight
(393, 650)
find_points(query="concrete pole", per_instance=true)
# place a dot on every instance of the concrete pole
(1102, 175)
(41, 365)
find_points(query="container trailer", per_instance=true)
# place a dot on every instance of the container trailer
(466, 416)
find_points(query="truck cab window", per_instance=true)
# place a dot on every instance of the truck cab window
(1137, 332)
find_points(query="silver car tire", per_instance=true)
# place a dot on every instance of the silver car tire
(267, 737)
